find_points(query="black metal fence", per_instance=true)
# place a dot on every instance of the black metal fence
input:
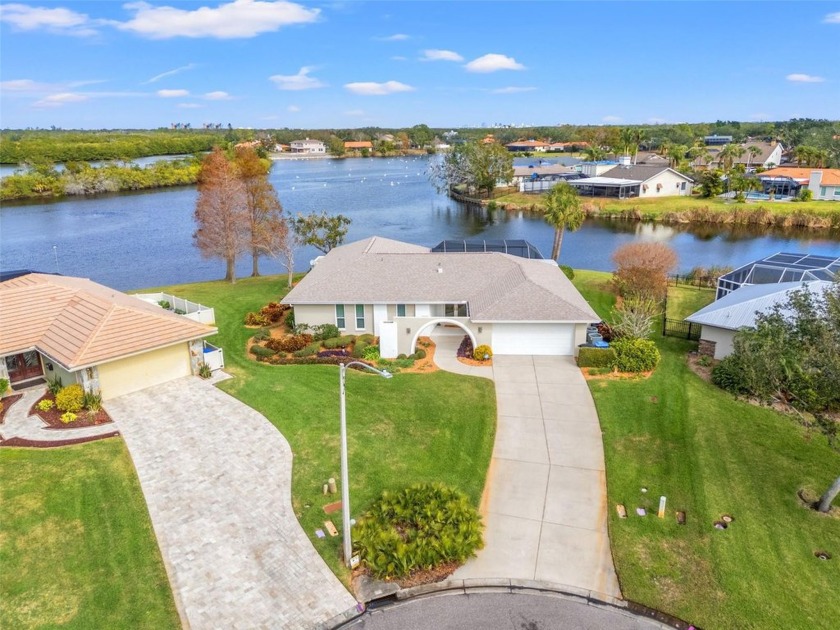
(680, 328)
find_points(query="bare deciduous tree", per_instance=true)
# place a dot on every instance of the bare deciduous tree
(634, 318)
(220, 212)
(642, 270)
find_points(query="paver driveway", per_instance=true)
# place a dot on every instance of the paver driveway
(217, 479)
(544, 502)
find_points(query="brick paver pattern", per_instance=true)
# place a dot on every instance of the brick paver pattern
(217, 479)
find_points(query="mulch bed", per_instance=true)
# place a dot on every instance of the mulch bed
(52, 418)
(16, 441)
(8, 401)
(418, 578)
(466, 361)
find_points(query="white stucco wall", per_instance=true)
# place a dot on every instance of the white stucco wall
(144, 370)
(722, 337)
(671, 186)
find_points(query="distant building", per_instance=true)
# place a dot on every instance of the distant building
(308, 146)
(281, 148)
(770, 155)
(528, 145)
(716, 140)
(358, 146)
(567, 146)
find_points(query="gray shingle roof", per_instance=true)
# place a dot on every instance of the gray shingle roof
(497, 287)
(640, 172)
(738, 309)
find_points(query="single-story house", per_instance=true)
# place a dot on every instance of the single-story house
(541, 177)
(567, 146)
(721, 319)
(307, 146)
(769, 155)
(82, 332)
(358, 145)
(824, 183)
(651, 159)
(399, 292)
(636, 180)
(528, 145)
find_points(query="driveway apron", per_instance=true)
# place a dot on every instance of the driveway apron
(217, 479)
(544, 503)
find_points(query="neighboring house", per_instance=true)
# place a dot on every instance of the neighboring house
(716, 140)
(636, 181)
(528, 145)
(307, 146)
(542, 177)
(651, 159)
(358, 146)
(596, 169)
(770, 155)
(780, 267)
(400, 291)
(824, 183)
(83, 332)
(721, 319)
(281, 148)
(567, 146)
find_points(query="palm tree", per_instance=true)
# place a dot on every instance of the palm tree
(594, 153)
(676, 154)
(562, 212)
(754, 152)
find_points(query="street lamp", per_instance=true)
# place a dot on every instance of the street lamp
(345, 475)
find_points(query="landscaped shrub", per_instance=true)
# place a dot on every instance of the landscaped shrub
(46, 404)
(339, 342)
(465, 350)
(420, 353)
(282, 360)
(596, 357)
(635, 355)
(482, 353)
(371, 353)
(367, 338)
(256, 319)
(325, 331)
(418, 528)
(290, 319)
(92, 402)
(4, 385)
(204, 370)
(309, 351)
(359, 348)
(273, 311)
(164, 304)
(262, 334)
(54, 385)
(570, 273)
(333, 353)
(261, 351)
(289, 343)
(68, 417)
(70, 398)
(729, 375)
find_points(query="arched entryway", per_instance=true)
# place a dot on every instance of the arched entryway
(440, 320)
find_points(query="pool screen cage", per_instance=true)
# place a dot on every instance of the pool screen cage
(781, 267)
(518, 247)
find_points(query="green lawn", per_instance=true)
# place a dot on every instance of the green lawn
(709, 454)
(408, 429)
(683, 300)
(76, 545)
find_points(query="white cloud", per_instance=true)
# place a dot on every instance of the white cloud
(217, 96)
(60, 21)
(371, 88)
(293, 109)
(611, 120)
(440, 55)
(233, 20)
(21, 85)
(299, 81)
(190, 105)
(396, 37)
(57, 100)
(804, 78)
(512, 90)
(170, 73)
(29, 87)
(173, 93)
(832, 18)
(493, 62)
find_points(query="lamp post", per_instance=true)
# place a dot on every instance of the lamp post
(345, 474)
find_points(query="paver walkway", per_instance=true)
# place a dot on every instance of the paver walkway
(544, 503)
(217, 479)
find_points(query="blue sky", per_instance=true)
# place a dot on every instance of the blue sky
(260, 63)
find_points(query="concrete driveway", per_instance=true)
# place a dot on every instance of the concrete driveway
(217, 479)
(544, 503)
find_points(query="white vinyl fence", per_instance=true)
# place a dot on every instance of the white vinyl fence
(192, 310)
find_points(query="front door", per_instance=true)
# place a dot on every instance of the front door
(22, 367)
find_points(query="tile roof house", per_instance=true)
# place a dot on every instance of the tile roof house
(399, 291)
(528, 145)
(721, 319)
(824, 183)
(358, 145)
(83, 332)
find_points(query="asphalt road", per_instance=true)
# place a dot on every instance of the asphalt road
(502, 611)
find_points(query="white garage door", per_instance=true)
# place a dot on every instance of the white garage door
(550, 339)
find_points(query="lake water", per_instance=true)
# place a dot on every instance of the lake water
(137, 240)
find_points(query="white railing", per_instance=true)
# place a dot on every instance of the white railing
(214, 357)
(193, 310)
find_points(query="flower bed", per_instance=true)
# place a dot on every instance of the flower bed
(465, 354)
(52, 417)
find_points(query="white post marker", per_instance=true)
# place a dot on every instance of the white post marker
(661, 507)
